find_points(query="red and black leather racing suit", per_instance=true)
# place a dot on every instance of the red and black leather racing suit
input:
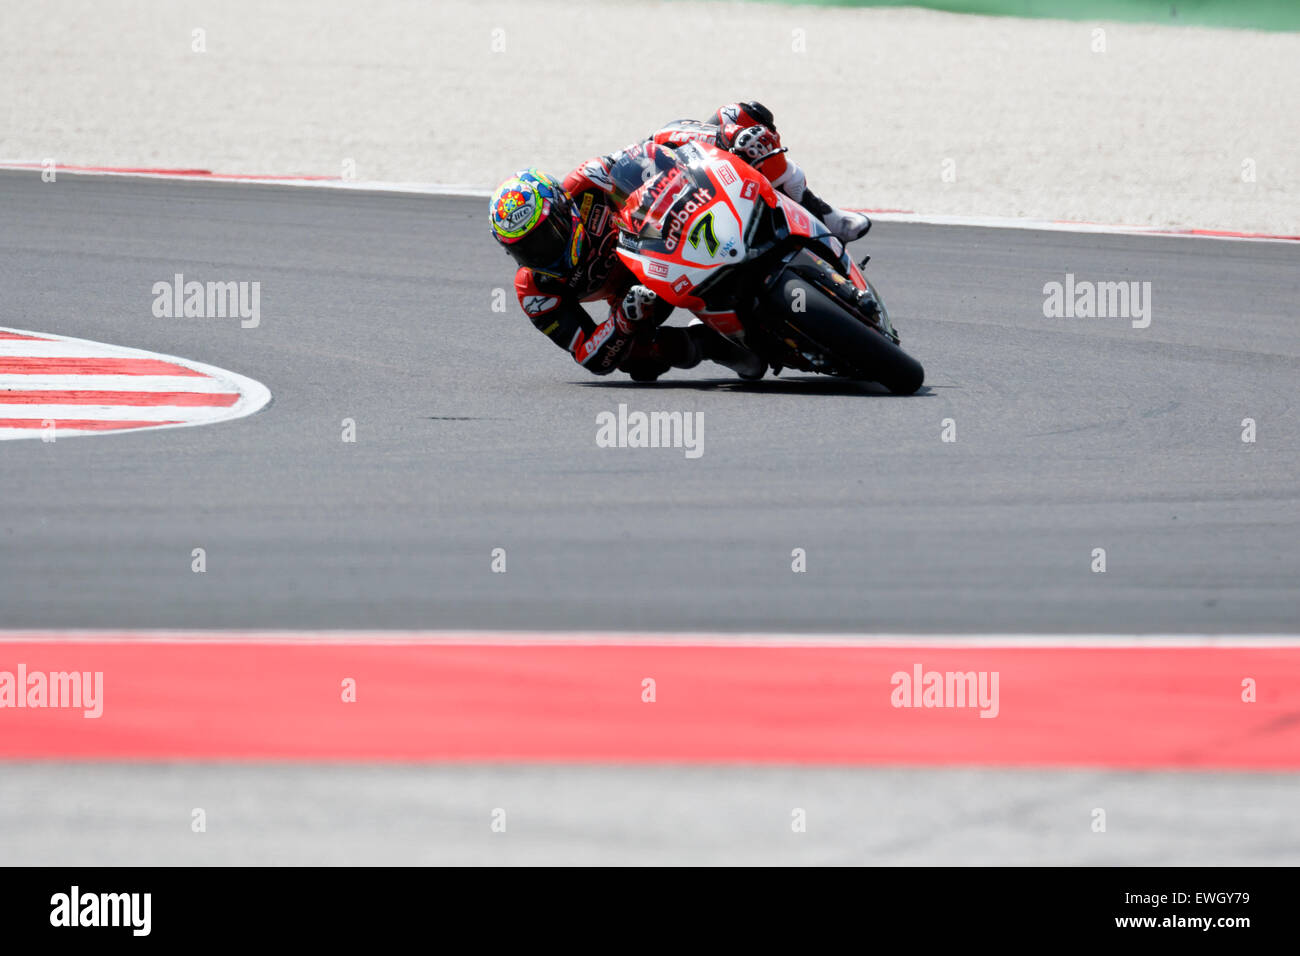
(554, 304)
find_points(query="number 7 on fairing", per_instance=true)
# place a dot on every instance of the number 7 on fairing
(705, 225)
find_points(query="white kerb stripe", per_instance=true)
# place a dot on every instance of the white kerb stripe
(110, 413)
(115, 383)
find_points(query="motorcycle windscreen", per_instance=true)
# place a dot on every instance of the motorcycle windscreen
(646, 181)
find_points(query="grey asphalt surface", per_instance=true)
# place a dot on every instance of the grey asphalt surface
(474, 433)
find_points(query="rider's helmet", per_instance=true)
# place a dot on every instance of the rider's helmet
(535, 220)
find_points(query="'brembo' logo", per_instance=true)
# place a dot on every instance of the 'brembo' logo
(699, 199)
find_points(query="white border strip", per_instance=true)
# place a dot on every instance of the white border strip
(435, 189)
(1057, 225)
(478, 192)
(649, 639)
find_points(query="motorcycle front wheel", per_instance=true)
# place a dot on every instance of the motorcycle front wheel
(844, 338)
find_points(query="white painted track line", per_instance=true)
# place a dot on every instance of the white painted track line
(640, 638)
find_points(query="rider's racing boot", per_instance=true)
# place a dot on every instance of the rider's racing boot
(844, 225)
(720, 349)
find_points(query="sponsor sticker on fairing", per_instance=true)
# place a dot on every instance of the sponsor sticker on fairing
(699, 199)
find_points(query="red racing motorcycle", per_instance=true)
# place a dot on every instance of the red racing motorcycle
(707, 232)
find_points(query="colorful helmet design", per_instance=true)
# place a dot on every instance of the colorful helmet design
(535, 220)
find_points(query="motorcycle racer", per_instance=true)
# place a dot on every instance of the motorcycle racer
(564, 236)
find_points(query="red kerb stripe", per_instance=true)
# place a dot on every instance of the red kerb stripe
(85, 424)
(1135, 708)
(32, 365)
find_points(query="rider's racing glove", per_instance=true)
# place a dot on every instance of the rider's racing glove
(640, 306)
(760, 147)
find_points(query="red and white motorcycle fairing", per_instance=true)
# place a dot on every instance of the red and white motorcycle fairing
(685, 233)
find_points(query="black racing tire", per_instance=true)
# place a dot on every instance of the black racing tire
(844, 337)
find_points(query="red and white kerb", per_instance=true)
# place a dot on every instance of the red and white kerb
(53, 386)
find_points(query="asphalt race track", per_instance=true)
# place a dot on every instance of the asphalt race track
(474, 433)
